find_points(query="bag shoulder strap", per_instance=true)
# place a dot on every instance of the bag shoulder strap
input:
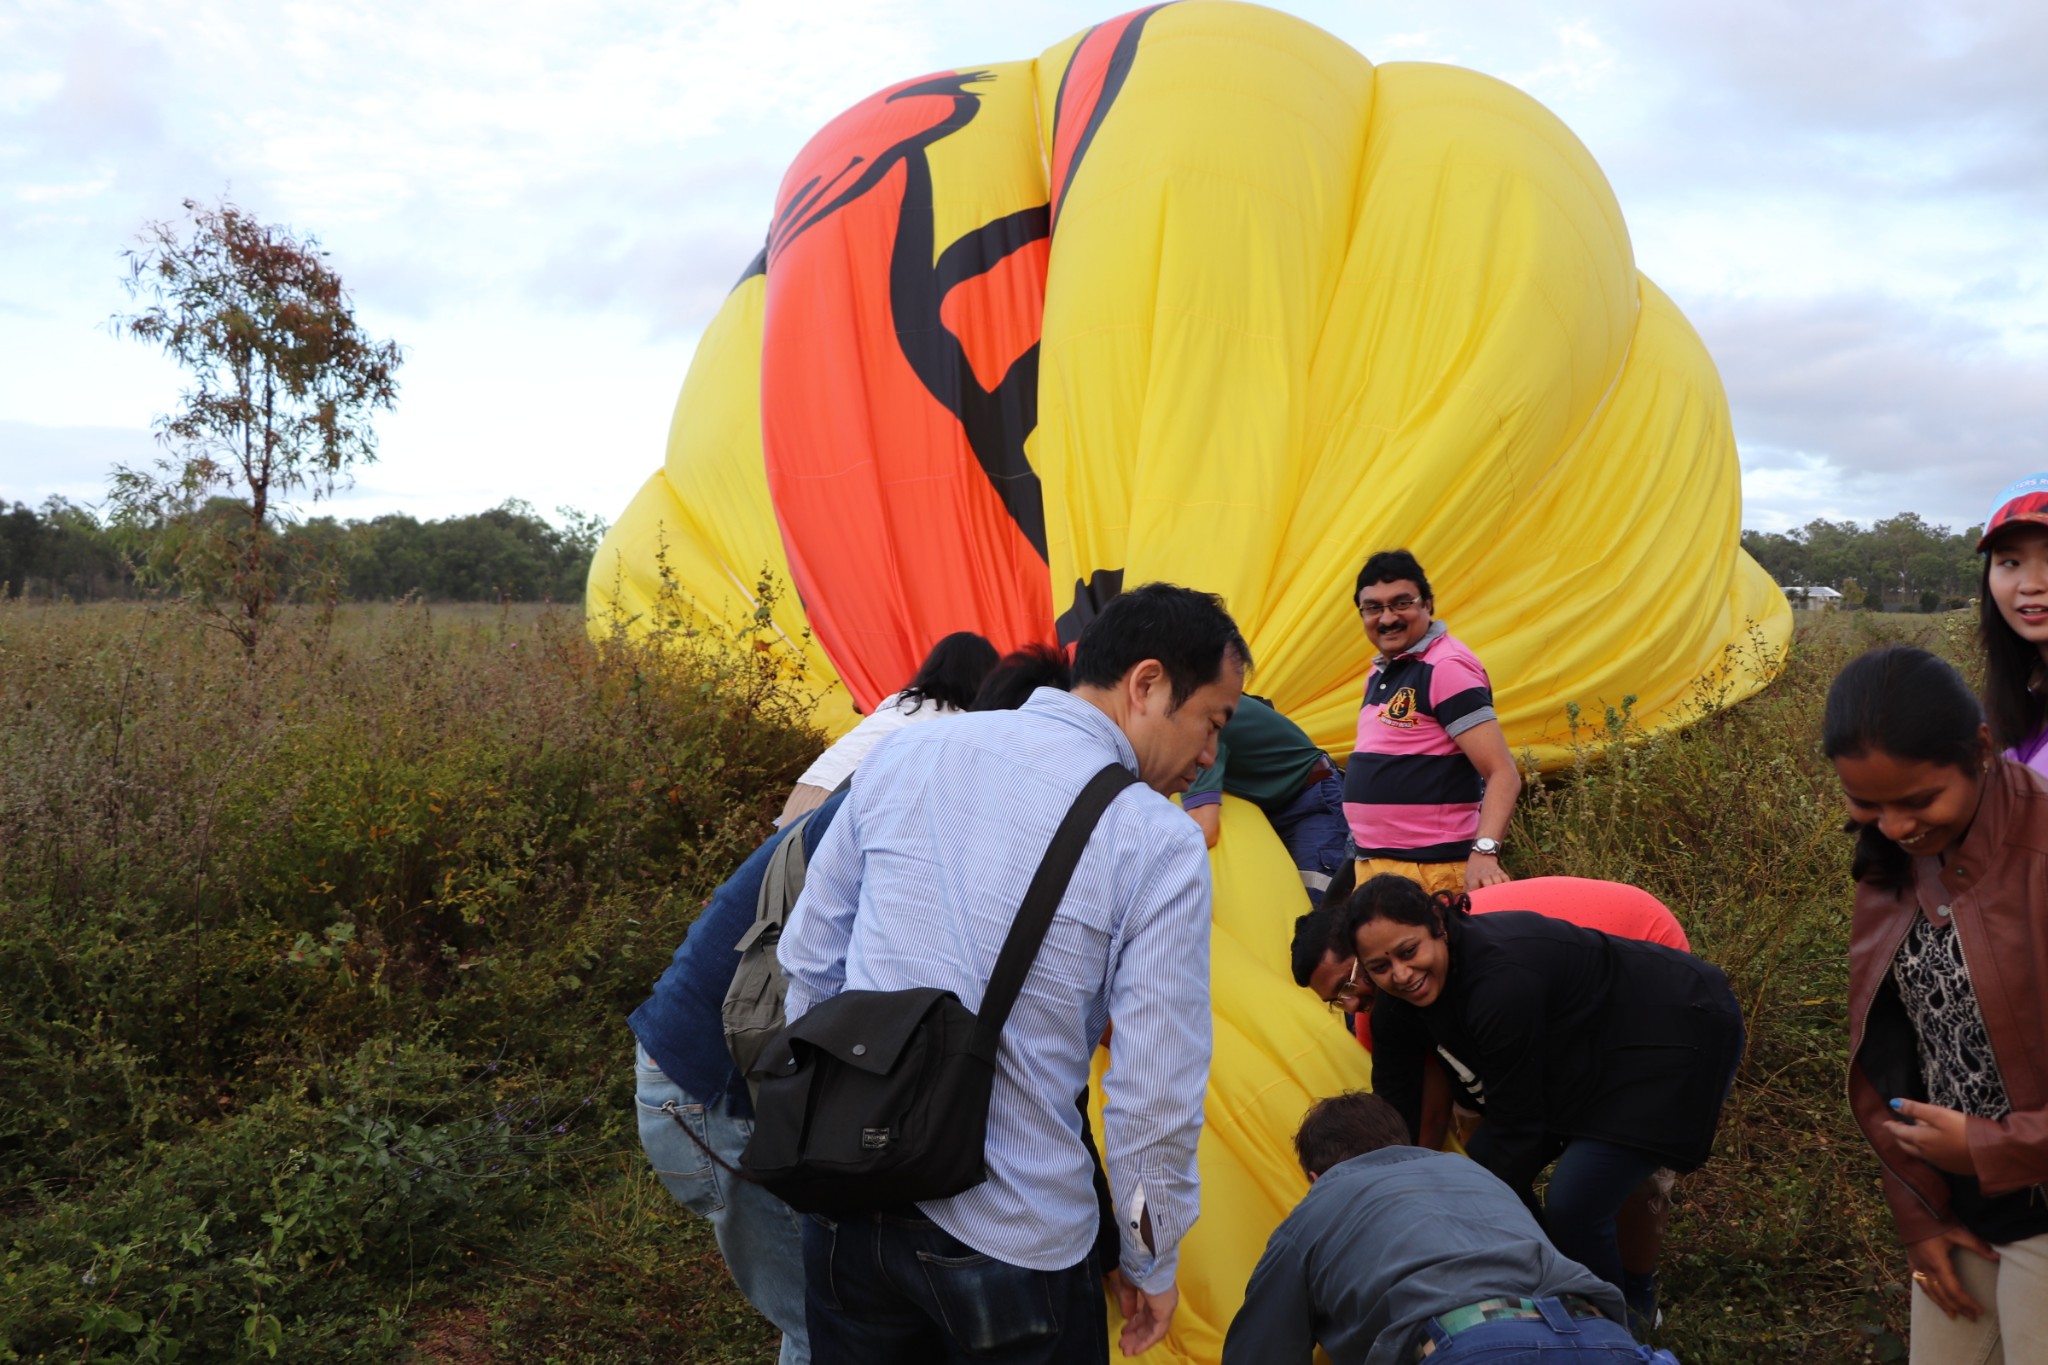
(781, 884)
(1034, 917)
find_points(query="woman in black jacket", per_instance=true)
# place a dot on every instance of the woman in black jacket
(1610, 1056)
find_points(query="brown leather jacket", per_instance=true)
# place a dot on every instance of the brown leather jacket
(1995, 885)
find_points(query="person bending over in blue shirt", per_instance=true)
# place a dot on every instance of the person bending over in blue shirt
(1398, 1254)
(695, 1114)
(916, 885)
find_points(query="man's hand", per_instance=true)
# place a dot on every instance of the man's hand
(1483, 869)
(1934, 1269)
(1940, 1137)
(1146, 1316)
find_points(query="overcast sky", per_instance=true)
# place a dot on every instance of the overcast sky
(545, 202)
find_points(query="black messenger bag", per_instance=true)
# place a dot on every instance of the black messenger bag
(876, 1099)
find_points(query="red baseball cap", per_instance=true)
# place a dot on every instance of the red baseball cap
(2026, 500)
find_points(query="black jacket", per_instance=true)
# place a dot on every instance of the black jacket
(1570, 1033)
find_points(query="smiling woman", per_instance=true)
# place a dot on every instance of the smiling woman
(1611, 1056)
(1947, 957)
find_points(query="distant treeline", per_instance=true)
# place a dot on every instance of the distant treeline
(1901, 562)
(509, 553)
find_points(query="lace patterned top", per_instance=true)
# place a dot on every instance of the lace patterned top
(1955, 1051)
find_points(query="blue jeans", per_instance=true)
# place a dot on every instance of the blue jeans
(759, 1235)
(1588, 1186)
(1541, 1341)
(1312, 826)
(886, 1289)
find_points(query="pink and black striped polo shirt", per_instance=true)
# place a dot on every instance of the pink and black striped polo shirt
(1409, 791)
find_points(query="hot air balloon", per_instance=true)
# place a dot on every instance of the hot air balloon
(1201, 294)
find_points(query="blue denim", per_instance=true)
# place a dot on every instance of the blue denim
(892, 1288)
(1313, 829)
(759, 1235)
(1541, 1341)
(1588, 1186)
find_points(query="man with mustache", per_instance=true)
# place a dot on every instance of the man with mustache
(1431, 785)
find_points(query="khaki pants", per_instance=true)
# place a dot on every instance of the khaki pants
(2012, 1329)
(1432, 877)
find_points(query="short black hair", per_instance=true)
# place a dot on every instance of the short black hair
(1023, 671)
(951, 674)
(1388, 566)
(1188, 632)
(1311, 940)
(1345, 1126)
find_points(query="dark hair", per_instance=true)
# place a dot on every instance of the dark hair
(1188, 632)
(1904, 702)
(1311, 941)
(952, 673)
(1387, 566)
(1023, 671)
(1345, 1126)
(2016, 711)
(1391, 896)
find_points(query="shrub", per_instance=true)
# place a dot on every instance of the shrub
(315, 965)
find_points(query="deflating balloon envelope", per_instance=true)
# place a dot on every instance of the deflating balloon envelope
(1203, 295)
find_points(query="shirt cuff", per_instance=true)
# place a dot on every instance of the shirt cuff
(1155, 1274)
(1195, 800)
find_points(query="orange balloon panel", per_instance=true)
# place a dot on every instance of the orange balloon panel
(899, 373)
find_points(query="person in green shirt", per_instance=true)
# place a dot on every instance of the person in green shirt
(1268, 760)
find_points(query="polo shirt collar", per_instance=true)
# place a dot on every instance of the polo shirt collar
(1437, 630)
(1084, 716)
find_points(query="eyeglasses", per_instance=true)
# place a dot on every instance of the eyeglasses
(1400, 606)
(1345, 997)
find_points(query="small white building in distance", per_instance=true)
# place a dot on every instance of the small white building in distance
(1813, 599)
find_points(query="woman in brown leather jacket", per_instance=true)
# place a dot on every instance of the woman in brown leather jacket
(1948, 998)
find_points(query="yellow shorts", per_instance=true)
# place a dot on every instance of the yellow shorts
(1432, 877)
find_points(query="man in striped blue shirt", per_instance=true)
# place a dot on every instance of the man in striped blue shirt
(917, 883)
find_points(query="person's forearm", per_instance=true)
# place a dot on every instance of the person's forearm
(1497, 807)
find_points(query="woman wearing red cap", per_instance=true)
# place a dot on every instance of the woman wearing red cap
(2013, 607)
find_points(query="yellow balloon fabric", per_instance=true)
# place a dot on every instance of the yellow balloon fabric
(1300, 309)
(1295, 308)
(1277, 1050)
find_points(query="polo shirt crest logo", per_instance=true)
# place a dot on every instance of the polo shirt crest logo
(1400, 711)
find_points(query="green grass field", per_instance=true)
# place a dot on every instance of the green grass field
(313, 976)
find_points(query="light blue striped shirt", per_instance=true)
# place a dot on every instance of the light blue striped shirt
(916, 884)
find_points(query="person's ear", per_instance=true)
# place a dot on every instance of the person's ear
(1147, 680)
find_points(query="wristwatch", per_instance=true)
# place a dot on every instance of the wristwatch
(1490, 847)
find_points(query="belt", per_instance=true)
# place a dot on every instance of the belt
(1499, 1310)
(1324, 768)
